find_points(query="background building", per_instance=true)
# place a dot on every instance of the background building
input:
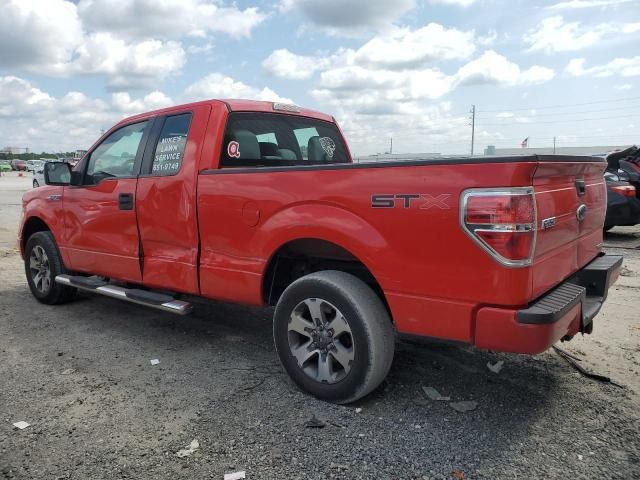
(390, 157)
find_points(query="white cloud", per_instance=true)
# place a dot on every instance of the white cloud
(285, 64)
(201, 48)
(406, 48)
(168, 18)
(134, 43)
(493, 68)
(123, 103)
(217, 85)
(457, 3)
(34, 118)
(46, 37)
(373, 90)
(631, 27)
(578, 4)
(19, 98)
(489, 39)
(349, 17)
(624, 86)
(128, 65)
(554, 35)
(397, 48)
(624, 67)
(35, 32)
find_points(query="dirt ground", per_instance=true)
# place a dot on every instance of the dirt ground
(80, 375)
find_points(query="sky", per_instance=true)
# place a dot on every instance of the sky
(404, 69)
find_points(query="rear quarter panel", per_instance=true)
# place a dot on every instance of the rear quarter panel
(419, 255)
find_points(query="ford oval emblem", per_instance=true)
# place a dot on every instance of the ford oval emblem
(581, 213)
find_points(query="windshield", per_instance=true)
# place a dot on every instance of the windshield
(270, 139)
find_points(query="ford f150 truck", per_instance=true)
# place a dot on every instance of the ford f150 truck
(260, 203)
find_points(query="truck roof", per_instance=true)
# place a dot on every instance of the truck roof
(237, 105)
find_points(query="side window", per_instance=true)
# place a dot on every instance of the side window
(167, 157)
(116, 155)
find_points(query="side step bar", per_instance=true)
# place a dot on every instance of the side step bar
(134, 295)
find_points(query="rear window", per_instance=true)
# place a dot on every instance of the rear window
(271, 139)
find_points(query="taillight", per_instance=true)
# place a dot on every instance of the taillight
(502, 221)
(625, 190)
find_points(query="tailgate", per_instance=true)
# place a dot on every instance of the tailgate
(571, 206)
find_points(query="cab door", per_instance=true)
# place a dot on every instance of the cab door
(166, 200)
(101, 233)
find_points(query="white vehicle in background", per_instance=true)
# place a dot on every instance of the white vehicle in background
(38, 177)
(37, 167)
(33, 165)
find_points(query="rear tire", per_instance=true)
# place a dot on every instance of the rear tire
(35, 184)
(343, 350)
(42, 263)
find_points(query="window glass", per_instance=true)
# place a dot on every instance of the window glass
(269, 139)
(167, 157)
(116, 155)
(303, 135)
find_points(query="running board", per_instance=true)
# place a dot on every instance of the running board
(133, 295)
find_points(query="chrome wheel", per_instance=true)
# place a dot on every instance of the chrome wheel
(321, 341)
(40, 269)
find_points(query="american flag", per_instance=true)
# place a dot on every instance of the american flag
(525, 143)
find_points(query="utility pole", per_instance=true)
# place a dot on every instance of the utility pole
(554, 145)
(473, 127)
(390, 145)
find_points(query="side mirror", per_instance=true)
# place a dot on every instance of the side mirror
(57, 173)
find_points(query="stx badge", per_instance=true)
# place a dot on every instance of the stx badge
(424, 201)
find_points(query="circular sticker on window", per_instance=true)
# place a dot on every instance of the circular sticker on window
(233, 149)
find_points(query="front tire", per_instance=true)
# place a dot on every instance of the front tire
(42, 263)
(334, 336)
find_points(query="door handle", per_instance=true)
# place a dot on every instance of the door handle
(125, 201)
(580, 187)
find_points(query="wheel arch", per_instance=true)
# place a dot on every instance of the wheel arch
(301, 256)
(32, 225)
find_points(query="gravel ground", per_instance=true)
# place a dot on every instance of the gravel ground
(81, 375)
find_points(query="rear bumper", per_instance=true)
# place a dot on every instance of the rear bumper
(564, 311)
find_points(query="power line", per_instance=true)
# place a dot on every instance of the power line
(560, 121)
(549, 114)
(562, 105)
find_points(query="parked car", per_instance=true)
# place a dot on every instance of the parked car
(626, 165)
(259, 203)
(19, 165)
(38, 174)
(623, 204)
(33, 165)
(5, 166)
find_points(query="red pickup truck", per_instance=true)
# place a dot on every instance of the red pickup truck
(260, 203)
